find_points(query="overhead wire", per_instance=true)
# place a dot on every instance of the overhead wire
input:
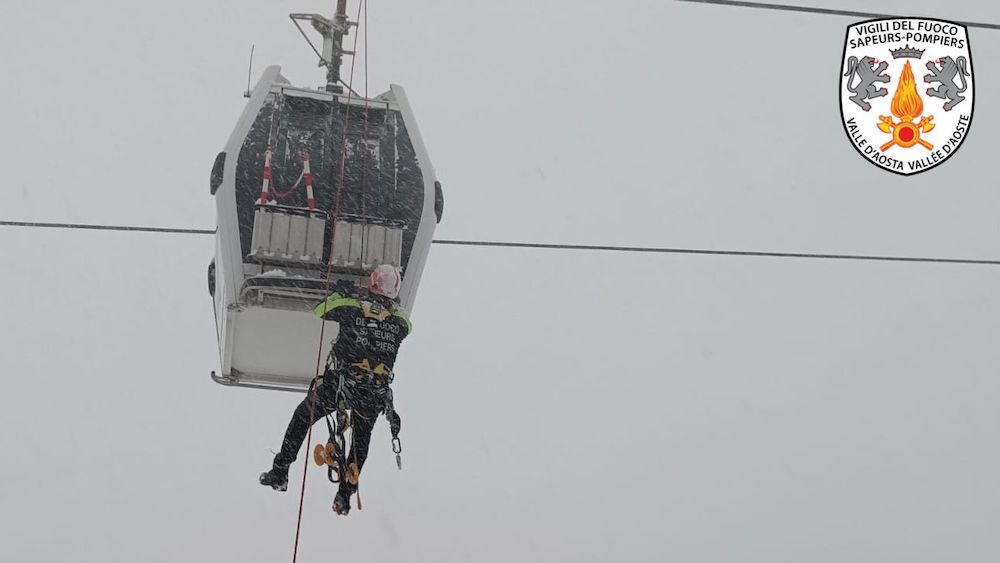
(821, 11)
(710, 252)
(96, 227)
(557, 246)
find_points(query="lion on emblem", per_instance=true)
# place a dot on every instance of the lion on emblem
(868, 74)
(944, 71)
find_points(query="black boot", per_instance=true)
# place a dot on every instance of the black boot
(342, 502)
(276, 478)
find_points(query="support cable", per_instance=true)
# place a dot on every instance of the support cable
(553, 246)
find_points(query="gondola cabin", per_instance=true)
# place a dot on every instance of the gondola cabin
(315, 188)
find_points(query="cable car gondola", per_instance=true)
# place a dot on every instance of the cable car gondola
(315, 188)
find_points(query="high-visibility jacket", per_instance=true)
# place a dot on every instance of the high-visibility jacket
(371, 330)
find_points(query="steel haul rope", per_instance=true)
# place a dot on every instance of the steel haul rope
(818, 11)
(555, 246)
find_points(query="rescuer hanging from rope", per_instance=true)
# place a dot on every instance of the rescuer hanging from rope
(356, 379)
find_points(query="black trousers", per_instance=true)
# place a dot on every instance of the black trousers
(365, 402)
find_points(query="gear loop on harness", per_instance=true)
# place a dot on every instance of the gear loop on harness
(337, 422)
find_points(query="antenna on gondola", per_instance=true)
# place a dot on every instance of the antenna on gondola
(246, 93)
(333, 32)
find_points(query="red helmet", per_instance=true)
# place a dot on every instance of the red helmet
(385, 281)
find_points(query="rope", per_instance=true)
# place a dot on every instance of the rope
(820, 11)
(94, 227)
(748, 253)
(329, 272)
(549, 246)
(280, 194)
(364, 180)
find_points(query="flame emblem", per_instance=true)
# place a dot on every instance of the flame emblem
(906, 106)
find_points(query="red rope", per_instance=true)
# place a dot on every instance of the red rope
(364, 183)
(329, 272)
(364, 136)
(280, 194)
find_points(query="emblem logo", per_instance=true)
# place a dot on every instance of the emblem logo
(893, 119)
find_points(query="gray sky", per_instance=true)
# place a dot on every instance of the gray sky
(556, 405)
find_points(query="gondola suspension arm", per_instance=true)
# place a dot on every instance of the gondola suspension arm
(333, 32)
